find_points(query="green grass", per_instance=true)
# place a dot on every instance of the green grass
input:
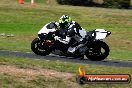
(8, 80)
(24, 22)
(62, 66)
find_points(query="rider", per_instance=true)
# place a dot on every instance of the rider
(74, 33)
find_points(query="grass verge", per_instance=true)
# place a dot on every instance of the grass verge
(40, 81)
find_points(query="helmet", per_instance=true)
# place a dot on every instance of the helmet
(64, 21)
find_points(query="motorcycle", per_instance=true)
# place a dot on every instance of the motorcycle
(93, 47)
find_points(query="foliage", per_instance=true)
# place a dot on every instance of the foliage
(107, 3)
(117, 3)
(77, 2)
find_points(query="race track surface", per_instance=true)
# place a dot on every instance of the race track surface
(67, 59)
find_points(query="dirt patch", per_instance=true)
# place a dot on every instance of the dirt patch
(12, 70)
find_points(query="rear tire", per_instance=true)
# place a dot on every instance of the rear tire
(37, 50)
(95, 53)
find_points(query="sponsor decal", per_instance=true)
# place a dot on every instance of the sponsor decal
(83, 78)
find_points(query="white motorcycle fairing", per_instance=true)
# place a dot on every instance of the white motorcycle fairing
(45, 30)
(101, 34)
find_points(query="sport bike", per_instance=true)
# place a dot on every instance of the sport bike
(93, 46)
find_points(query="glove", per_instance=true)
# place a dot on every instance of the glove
(57, 38)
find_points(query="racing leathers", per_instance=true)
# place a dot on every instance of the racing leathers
(74, 35)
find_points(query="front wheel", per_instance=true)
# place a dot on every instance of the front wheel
(38, 49)
(97, 51)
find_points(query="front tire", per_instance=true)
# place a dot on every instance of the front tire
(97, 51)
(35, 47)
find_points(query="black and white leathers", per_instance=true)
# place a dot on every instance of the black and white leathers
(74, 31)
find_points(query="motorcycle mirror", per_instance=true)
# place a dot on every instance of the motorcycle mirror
(108, 33)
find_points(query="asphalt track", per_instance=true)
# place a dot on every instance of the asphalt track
(67, 59)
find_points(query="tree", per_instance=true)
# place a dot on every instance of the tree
(117, 3)
(106, 3)
(76, 2)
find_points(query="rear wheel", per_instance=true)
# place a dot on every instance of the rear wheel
(97, 51)
(38, 49)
